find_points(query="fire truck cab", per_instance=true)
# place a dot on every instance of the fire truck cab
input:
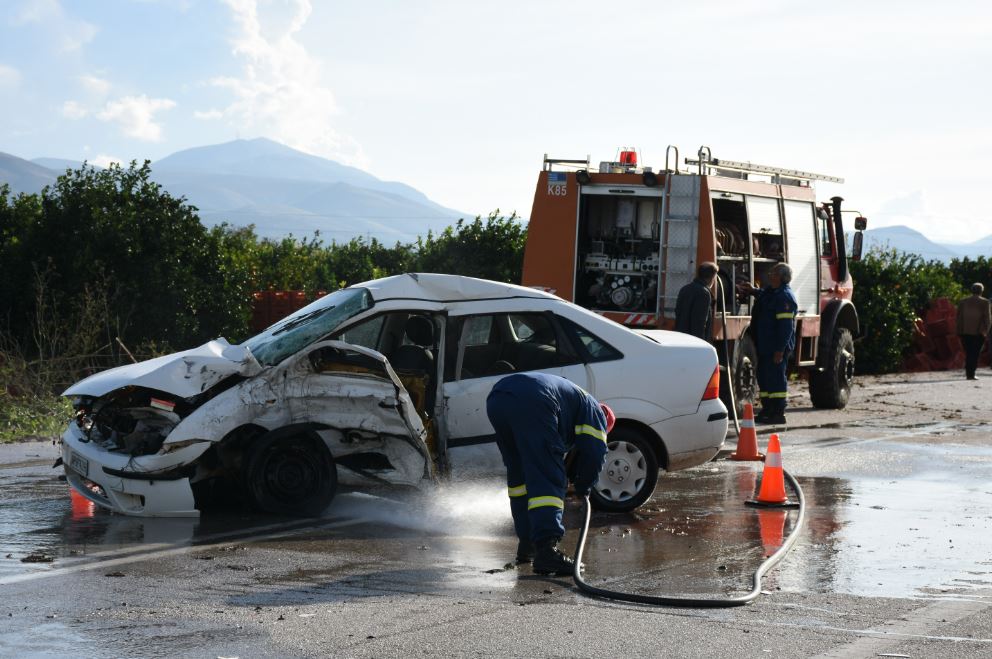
(622, 240)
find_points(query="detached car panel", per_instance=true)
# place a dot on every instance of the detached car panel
(376, 384)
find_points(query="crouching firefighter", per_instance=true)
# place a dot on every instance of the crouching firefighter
(539, 418)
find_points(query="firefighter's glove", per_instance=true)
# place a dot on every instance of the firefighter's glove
(582, 490)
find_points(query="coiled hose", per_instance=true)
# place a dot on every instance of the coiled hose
(698, 602)
(692, 602)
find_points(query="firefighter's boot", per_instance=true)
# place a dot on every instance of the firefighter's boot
(550, 560)
(525, 551)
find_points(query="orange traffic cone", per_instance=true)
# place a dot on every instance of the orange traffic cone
(747, 441)
(772, 492)
(772, 526)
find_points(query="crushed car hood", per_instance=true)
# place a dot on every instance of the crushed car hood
(182, 374)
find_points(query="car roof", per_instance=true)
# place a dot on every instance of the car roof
(446, 288)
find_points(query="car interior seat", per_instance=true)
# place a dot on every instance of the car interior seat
(416, 355)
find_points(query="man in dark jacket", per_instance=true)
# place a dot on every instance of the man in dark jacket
(539, 418)
(774, 332)
(693, 308)
(973, 323)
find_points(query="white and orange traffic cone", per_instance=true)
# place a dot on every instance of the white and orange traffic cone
(772, 491)
(747, 441)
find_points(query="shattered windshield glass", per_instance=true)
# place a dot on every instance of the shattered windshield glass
(312, 322)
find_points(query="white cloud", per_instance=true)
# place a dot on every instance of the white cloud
(136, 116)
(208, 115)
(73, 110)
(280, 92)
(103, 160)
(70, 33)
(9, 77)
(95, 84)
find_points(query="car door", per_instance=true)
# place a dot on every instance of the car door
(358, 402)
(482, 349)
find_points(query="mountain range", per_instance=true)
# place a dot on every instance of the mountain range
(911, 241)
(281, 191)
(278, 189)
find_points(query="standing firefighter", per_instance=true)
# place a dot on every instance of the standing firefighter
(774, 322)
(539, 418)
(694, 306)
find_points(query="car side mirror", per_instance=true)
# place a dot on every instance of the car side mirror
(858, 244)
(860, 223)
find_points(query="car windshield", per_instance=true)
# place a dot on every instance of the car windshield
(316, 320)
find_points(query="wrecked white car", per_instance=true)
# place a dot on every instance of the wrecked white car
(381, 383)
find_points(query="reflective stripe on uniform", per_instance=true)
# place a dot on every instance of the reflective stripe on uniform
(762, 394)
(517, 490)
(778, 394)
(585, 429)
(788, 315)
(541, 502)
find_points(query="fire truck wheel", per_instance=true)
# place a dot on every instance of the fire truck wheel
(745, 366)
(831, 388)
(629, 474)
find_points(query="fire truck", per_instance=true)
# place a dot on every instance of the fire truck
(623, 239)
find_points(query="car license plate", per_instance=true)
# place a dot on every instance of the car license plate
(79, 464)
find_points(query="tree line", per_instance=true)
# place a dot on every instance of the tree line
(107, 254)
(104, 254)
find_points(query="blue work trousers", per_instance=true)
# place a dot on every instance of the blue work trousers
(534, 454)
(773, 383)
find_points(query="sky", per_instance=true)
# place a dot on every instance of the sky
(463, 99)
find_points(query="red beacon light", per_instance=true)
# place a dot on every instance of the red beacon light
(628, 157)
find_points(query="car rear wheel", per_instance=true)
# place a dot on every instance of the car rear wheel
(630, 474)
(290, 475)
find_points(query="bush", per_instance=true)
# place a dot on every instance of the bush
(493, 249)
(891, 290)
(969, 271)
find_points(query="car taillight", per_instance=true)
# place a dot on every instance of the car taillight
(713, 387)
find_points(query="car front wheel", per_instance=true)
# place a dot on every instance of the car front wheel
(290, 475)
(630, 474)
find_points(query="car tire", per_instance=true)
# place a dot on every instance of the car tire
(830, 388)
(630, 474)
(292, 475)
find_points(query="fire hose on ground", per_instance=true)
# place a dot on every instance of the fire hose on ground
(698, 602)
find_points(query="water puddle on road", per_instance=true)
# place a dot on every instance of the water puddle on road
(919, 535)
(871, 537)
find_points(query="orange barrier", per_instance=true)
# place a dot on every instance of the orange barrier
(747, 441)
(772, 492)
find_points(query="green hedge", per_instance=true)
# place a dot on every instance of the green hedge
(891, 290)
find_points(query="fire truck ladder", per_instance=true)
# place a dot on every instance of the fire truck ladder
(705, 161)
(679, 223)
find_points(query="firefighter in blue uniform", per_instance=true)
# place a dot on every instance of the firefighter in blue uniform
(774, 321)
(539, 418)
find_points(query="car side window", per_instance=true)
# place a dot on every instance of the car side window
(499, 344)
(365, 334)
(478, 330)
(597, 350)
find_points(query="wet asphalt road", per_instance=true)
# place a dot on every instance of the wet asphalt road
(894, 559)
